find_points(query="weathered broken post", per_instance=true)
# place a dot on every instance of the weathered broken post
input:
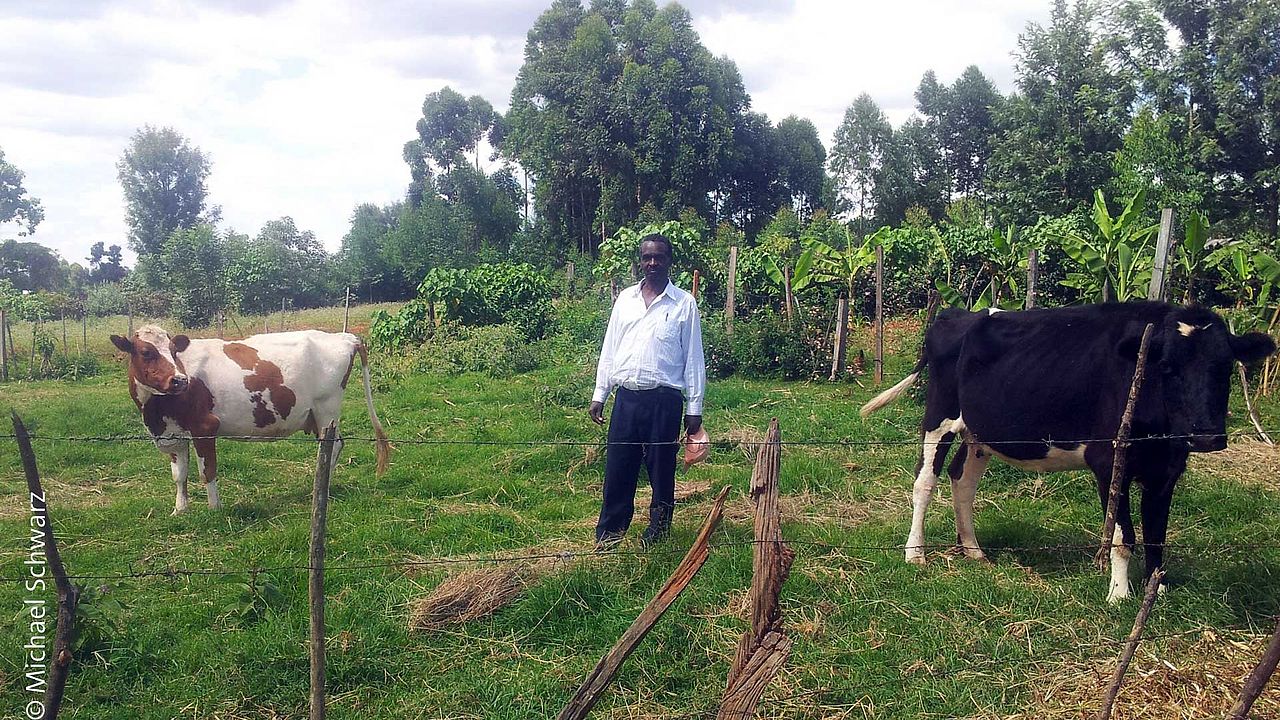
(1122, 449)
(763, 648)
(68, 594)
(568, 280)
(1159, 268)
(598, 679)
(315, 587)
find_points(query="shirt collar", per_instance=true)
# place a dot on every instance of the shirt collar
(638, 291)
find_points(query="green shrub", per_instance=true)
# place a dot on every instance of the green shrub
(106, 299)
(496, 350)
(584, 321)
(763, 346)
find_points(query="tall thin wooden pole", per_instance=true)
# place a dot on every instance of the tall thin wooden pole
(1122, 450)
(1156, 291)
(787, 298)
(84, 333)
(315, 586)
(879, 362)
(130, 311)
(4, 347)
(346, 310)
(568, 280)
(1131, 644)
(64, 333)
(1033, 275)
(729, 299)
(282, 313)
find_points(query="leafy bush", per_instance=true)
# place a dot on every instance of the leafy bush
(497, 350)
(763, 346)
(583, 322)
(490, 294)
(106, 299)
(409, 326)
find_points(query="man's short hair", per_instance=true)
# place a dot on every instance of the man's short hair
(659, 238)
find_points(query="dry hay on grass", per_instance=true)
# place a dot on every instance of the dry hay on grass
(1248, 461)
(805, 507)
(1184, 679)
(479, 592)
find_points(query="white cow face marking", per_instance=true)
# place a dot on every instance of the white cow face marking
(152, 365)
(1185, 329)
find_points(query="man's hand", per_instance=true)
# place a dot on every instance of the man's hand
(692, 423)
(596, 411)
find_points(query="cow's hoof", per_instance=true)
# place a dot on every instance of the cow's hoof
(977, 555)
(916, 559)
(1115, 597)
(178, 511)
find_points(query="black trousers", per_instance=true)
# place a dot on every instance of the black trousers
(643, 429)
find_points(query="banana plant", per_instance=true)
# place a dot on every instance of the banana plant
(1192, 258)
(1003, 267)
(1116, 259)
(835, 266)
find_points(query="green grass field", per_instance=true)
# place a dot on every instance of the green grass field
(482, 469)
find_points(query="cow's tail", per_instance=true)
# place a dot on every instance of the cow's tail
(888, 396)
(383, 445)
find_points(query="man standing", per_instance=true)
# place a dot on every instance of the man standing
(652, 356)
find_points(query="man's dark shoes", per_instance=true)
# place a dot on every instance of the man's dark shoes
(652, 536)
(608, 542)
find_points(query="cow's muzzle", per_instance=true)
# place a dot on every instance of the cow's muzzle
(1207, 441)
(178, 384)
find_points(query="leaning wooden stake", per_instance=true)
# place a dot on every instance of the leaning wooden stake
(68, 594)
(730, 291)
(764, 647)
(1102, 558)
(1131, 645)
(598, 679)
(1248, 405)
(346, 310)
(879, 361)
(1258, 678)
(319, 518)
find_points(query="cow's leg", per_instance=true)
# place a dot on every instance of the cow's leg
(179, 459)
(207, 458)
(1122, 539)
(934, 445)
(1156, 499)
(964, 486)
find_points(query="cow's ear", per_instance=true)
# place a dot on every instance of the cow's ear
(1251, 347)
(179, 343)
(122, 343)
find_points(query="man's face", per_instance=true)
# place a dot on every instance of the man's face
(655, 261)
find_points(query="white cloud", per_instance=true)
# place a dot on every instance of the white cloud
(304, 106)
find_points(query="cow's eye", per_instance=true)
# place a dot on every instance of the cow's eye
(148, 355)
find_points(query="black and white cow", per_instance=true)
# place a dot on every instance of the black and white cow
(1045, 390)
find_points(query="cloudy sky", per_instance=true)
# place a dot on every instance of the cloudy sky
(303, 106)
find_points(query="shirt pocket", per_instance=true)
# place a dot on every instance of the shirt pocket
(669, 331)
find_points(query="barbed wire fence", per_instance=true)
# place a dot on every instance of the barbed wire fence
(811, 549)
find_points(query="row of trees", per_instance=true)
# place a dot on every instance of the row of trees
(620, 116)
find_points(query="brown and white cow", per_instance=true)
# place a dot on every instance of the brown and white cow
(263, 387)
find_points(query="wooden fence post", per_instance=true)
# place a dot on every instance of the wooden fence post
(84, 332)
(697, 281)
(787, 298)
(879, 362)
(1131, 644)
(1122, 449)
(1258, 678)
(346, 310)
(1159, 274)
(732, 288)
(842, 323)
(315, 586)
(598, 679)
(1033, 275)
(4, 347)
(68, 594)
(129, 309)
(568, 280)
(64, 332)
(764, 648)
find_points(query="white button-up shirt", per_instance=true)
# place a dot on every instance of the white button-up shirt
(660, 345)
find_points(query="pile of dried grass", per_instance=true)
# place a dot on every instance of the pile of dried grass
(1247, 460)
(477, 593)
(1186, 678)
